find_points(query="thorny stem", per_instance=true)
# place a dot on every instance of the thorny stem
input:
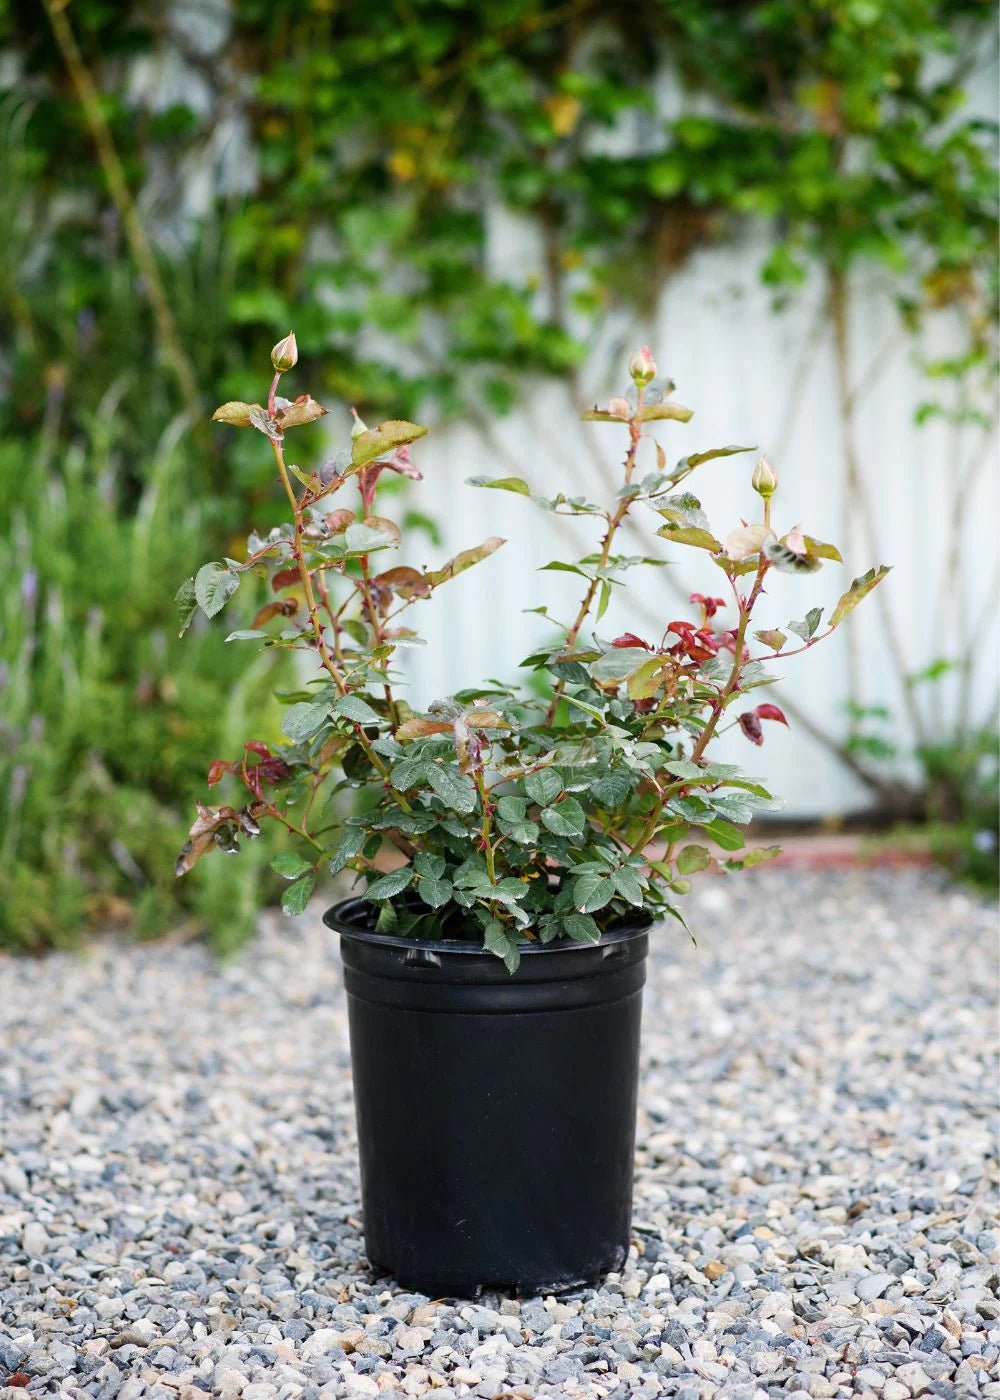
(487, 827)
(321, 645)
(635, 433)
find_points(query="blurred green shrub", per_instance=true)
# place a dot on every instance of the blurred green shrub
(107, 723)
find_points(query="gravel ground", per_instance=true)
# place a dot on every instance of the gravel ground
(815, 1210)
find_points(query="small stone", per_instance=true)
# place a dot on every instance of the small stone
(35, 1240)
(914, 1377)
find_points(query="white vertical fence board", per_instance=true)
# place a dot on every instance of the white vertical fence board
(735, 363)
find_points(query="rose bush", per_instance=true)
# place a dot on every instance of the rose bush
(496, 815)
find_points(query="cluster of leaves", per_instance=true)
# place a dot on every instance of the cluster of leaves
(842, 129)
(495, 814)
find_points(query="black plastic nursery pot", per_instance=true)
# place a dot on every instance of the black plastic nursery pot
(496, 1113)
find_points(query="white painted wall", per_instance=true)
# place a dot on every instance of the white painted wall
(735, 363)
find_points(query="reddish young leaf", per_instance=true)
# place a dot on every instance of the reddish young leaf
(270, 610)
(284, 578)
(770, 712)
(218, 770)
(629, 639)
(750, 725)
(711, 605)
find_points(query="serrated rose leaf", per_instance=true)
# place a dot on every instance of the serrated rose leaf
(419, 728)
(859, 589)
(289, 865)
(214, 585)
(235, 413)
(388, 886)
(465, 560)
(657, 412)
(691, 859)
(592, 892)
(376, 442)
(302, 410)
(692, 535)
(502, 483)
(544, 786)
(297, 896)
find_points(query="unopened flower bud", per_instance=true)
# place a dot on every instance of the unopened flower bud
(285, 354)
(359, 425)
(765, 479)
(642, 367)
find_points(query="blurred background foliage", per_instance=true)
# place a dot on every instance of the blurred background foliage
(185, 181)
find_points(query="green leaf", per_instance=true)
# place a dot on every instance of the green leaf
(464, 560)
(503, 943)
(214, 585)
(657, 412)
(502, 483)
(773, 638)
(346, 847)
(688, 464)
(387, 886)
(376, 442)
(247, 634)
(592, 892)
(617, 663)
(693, 858)
(754, 857)
(352, 707)
(612, 789)
(235, 413)
(435, 892)
(456, 790)
(407, 773)
(806, 629)
(566, 818)
(544, 786)
(724, 834)
(859, 589)
(186, 601)
(819, 550)
(302, 720)
(511, 808)
(644, 683)
(290, 865)
(687, 771)
(524, 833)
(296, 897)
(690, 534)
(581, 928)
(364, 539)
(626, 881)
(428, 865)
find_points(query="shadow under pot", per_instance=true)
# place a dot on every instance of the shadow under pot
(496, 1113)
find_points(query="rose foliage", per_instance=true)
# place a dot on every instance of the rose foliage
(497, 815)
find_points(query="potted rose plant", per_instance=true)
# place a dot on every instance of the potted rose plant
(509, 853)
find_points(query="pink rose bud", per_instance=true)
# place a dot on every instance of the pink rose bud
(285, 354)
(642, 367)
(765, 479)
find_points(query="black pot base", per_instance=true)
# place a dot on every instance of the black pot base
(496, 1114)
